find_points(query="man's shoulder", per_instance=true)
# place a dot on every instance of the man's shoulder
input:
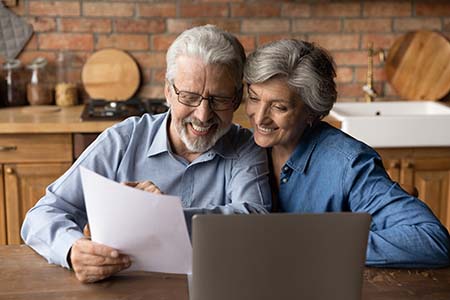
(145, 121)
(237, 129)
(239, 144)
(239, 136)
(132, 126)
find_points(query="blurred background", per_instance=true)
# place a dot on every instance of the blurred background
(145, 29)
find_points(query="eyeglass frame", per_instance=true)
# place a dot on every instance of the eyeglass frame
(211, 99)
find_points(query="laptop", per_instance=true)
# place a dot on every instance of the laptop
(278, 256)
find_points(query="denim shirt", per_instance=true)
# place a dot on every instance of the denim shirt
(329, 171)
(232, 177)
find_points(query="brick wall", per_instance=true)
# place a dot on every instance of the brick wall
(146, 28)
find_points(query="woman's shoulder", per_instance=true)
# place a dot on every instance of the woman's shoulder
(335, 141)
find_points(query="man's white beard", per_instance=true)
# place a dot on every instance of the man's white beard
(201, 143)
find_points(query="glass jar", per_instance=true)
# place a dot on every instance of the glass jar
(39, 92)
(13, 85)
(65, 90)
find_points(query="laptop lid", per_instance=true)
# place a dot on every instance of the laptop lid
(279, 256)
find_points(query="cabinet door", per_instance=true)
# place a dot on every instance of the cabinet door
(431, 176)
(24, 185)
(392, 167)
(2, 210)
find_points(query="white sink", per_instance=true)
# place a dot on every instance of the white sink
(395, 124)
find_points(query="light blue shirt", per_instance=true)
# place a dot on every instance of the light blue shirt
(232, 177)
(330, 171)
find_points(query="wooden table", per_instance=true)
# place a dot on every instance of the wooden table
(26, 275)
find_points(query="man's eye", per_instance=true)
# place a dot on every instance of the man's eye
(222, 100)
(280, 108)
(253, 99)
(188, 97)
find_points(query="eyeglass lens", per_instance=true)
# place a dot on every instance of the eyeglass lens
(194, 100)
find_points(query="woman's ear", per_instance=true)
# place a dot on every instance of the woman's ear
(311, 120)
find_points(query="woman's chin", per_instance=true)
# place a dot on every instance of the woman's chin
(263, 143)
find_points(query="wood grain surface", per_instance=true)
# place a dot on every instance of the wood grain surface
(40, 109)
(418, 66)
(26, 275)
(110, 74)
(13, 120)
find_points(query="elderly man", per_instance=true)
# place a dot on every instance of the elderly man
(193, 151)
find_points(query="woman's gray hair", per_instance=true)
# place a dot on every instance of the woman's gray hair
(212, 45)
(308, 69)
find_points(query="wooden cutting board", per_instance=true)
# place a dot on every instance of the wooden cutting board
(418, 66)
(110, 74)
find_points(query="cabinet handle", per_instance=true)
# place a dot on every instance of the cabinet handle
(8, 148)
(9, 171)
(409, 165)
(394, 165)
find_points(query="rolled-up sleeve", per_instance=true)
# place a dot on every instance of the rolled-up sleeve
(404, 232)
(57, 220)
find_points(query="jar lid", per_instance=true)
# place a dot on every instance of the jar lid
(37, 63)
(11, 64)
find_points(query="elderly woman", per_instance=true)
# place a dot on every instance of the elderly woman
(318, 168)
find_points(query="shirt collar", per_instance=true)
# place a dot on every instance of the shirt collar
(301, 156)
(160, 144)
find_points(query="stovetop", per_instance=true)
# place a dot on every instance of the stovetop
(97, 110)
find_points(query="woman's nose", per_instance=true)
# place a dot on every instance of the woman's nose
(260, 113)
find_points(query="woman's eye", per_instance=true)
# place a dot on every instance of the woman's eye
(253, 99)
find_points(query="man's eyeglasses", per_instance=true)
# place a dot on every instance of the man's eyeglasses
(216, 103)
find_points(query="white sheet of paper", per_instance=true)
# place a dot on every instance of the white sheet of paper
(150, 228)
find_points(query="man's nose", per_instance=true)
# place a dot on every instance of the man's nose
(203, 112)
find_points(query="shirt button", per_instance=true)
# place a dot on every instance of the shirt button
(286, 168)
(284, 180)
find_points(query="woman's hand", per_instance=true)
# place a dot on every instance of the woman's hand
(146, 185)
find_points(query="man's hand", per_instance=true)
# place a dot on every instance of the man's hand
(93, 262)
(147, 186)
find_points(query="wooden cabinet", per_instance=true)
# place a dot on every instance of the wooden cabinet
(25, 184)
(428, 169)
(29, 162)
(2, 210)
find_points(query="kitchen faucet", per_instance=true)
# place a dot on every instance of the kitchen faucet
(369, 91)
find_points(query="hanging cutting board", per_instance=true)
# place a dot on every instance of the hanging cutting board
(110, 74)
(418, 66)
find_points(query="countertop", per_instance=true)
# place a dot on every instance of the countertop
(53, 119)
(29, 119)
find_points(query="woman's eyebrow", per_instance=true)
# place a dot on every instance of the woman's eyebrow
(250, 90)
(286, 101)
